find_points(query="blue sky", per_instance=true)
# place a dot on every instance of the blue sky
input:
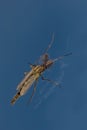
(25, 31)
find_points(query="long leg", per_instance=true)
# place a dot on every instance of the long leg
(51, 81)
(32, 65)
(61, 57)
(34, 90)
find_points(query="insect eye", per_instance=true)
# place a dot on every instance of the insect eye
(45, 57)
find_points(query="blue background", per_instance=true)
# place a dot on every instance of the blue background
(26, 28)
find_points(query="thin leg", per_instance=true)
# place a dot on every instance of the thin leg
(51, 81)
(32, 65)
(61, 57)
(34, 90)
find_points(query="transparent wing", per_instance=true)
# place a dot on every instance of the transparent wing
(27, 85)
(24, 81)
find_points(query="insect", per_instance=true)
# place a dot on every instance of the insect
(35, 73)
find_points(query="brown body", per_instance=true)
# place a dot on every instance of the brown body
(30, 78)
(36, 72)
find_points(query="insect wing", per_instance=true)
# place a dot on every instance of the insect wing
(27, 85)
(24, 81)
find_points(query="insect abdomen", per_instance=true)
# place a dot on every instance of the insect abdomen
(15, 98)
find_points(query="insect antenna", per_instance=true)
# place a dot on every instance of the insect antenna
(50, 44)
(45, 57)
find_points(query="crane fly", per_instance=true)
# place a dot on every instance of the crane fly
(35, 73)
